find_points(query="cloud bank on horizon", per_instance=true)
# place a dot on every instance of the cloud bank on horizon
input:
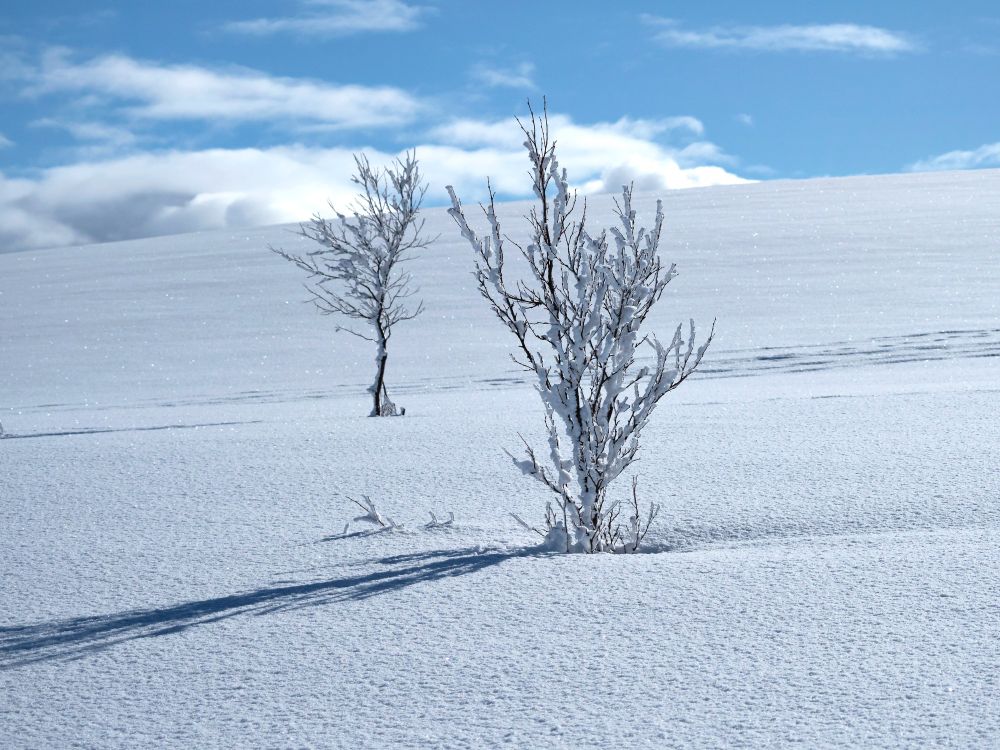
(101, 143)
(155, 193)
(115, 191)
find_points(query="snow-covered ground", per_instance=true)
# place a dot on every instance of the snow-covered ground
(825, 571)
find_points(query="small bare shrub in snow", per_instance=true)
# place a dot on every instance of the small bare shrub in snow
(375, 517)
(356, 272)
(371, 515)
(434, 523)
(577, 317)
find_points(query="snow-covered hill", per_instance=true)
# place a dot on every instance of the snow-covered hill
(825, 571)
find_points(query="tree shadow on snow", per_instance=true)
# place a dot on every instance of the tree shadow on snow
(102, 431)
(75, 637)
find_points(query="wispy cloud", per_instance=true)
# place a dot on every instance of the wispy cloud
(5, 142)
(145, 194)
(149, 91)
(88, 18)
(744, 119)
(836, 37)
(984, 156)
(338, 18)
(83, 130)
(13, 58)
(518, 77)
(94, 139)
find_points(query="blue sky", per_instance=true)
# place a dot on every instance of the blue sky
(130, 119)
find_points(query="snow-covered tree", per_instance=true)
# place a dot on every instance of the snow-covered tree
(577, 314)
(356, 273)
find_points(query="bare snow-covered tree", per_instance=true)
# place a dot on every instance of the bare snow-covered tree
(356, 273)
(576, 314)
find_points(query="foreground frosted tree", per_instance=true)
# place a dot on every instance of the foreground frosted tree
(576, 312)
(357, 271)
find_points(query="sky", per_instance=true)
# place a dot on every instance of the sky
(121, 119)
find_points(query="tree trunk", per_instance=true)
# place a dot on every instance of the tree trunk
(379, 388)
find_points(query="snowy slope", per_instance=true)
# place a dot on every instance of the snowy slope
(825, 570)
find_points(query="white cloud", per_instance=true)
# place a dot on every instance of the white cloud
(174, 92)
(469, 132)
(339, 18)
(600, 157)
(153, 194)
(177, 191)
(5, 142)
(519, 77)
(984, 156)
(744, 119)
(83, 130)
(835, 37)
(662, 174)
(22, 224)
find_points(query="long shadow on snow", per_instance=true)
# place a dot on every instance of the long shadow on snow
(101, 431)
(74, 637)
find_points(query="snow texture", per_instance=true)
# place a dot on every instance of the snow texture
(182, 434)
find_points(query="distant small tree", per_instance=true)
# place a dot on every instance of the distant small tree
(576, 315)
(356, 272)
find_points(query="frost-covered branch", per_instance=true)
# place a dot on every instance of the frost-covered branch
(375, 517)
(434, 523)
(371, 513)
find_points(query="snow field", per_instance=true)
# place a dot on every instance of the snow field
(824, 571)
